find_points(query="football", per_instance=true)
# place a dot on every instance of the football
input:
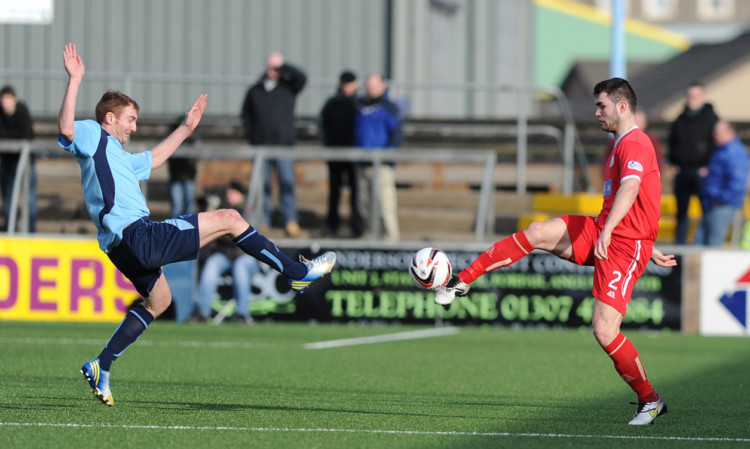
(430, 268)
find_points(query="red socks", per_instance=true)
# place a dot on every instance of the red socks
(500, 254)
(628, 366)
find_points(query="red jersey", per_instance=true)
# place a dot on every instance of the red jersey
(634, 157)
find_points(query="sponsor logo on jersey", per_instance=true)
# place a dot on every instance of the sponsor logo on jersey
(608, 187)
(635, 165)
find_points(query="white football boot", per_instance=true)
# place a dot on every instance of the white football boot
(647, 412)
(455, 287)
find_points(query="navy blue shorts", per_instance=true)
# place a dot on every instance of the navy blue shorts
(148, 245)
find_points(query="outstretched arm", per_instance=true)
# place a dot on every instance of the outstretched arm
(661, 259)
(75, 68)
(168, 146)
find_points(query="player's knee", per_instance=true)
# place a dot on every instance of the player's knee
(228, 215)
(158, 305)
(535, 231)
(230, 218)
(604, 332)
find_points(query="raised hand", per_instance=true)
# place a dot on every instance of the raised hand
(73, 62)
(194, 114)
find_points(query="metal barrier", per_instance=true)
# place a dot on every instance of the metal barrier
(22, 176)
(259, 154)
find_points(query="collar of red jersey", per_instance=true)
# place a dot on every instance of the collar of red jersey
(623, 135)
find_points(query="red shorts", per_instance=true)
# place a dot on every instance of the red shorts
(615, 277)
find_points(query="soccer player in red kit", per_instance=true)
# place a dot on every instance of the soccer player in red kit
(618, 243)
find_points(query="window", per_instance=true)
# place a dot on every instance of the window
(659, 9)
(715, 9)
(606, 6)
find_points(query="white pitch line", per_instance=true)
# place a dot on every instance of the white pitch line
(381, 431)
(410, 335)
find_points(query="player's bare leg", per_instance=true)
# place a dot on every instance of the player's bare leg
(160, 298)
(217, 223)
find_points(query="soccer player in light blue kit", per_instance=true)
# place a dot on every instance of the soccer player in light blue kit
(137, 246)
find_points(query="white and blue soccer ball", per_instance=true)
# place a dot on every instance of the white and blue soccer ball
(430, 268)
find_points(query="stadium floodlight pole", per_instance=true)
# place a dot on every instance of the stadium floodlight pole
(617, 56)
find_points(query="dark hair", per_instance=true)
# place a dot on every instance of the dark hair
(8, 90)
(617, 90)
(113, 101)
(235, 185)
(347, 77)
(696, 84)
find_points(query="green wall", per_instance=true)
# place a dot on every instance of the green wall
(561, 39)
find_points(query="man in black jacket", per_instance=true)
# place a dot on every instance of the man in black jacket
(690, 147)
(336, 129)
(268, 118)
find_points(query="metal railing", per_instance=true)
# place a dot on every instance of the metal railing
(259, 154)
(22, 179)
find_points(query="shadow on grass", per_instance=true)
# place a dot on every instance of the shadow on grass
(374, 402)
(708, 408)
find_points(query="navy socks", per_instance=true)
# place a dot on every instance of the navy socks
(135, 322)
(257, 245)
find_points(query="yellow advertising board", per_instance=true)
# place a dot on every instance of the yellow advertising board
(48, 279)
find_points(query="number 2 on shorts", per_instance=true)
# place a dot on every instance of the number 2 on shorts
(614, 281)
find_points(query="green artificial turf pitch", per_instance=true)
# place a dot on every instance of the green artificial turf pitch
(193, 386)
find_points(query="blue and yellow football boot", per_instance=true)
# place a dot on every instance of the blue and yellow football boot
(98, 381)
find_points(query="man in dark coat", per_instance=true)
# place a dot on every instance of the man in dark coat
(691, 144)
(336, 129)
(268, 118)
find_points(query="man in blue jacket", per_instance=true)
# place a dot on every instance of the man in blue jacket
(377, 126)
(724, 186)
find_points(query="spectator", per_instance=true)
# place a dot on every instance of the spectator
(336, 129)
(15, 123)
(378, 127)
(182, 171)
(724, 186)
(690, 147)
(268, 118)
(225, 255)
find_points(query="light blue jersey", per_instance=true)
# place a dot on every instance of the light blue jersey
(109, 178)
